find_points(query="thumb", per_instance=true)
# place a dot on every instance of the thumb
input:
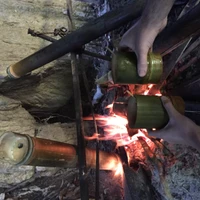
(142, 64)
(168, 106)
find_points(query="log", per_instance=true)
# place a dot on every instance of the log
(137, 185)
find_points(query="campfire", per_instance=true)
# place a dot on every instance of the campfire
(136, 142)
(141, 151)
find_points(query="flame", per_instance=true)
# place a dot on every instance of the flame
(119, 170)
(115, 128)
(158, 94)
(109, 106)
(141, 146)
(147, 90)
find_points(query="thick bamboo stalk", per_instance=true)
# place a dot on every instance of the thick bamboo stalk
(25, 150)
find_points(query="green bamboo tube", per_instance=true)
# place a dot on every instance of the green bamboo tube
(148, 111)
(124, 68)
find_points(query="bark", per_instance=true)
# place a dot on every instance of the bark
(138, 185)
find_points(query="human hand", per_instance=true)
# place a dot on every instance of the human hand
(179, 130)
(139, 39)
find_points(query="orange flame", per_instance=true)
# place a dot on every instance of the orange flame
(147, 90)
(109, 106)
(115, 128)
(119, 170)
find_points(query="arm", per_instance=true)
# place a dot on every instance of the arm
(141, 36)
(156, 11)
(180, 129)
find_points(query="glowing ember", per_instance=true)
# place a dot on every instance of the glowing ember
(147, 91)
(119, 170)
(158, 94)
(109, 106)
(142, 145)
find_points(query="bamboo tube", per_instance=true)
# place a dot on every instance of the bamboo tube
(25, 150)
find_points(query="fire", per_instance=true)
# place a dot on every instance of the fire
(116, 128)
(119, 170)
(147, 90)
(158, 94)
(142, 145)
(109, 106)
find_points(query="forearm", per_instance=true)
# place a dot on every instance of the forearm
(156, 11)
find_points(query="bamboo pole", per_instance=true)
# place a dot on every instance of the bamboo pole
(26, 150)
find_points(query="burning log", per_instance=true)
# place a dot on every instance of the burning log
(137, 184)
(25, 150)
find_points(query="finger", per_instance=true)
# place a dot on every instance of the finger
(142, 64)
(168, 106)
